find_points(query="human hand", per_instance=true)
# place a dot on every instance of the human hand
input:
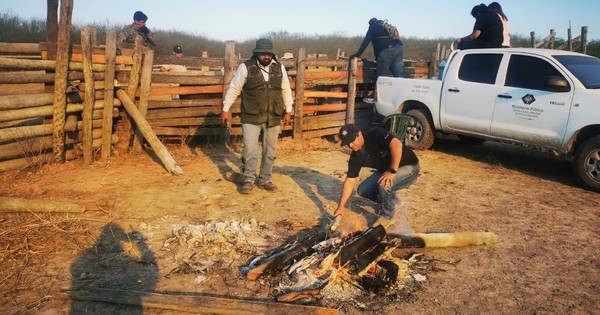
(287, 119)
(224, 118)
(144, 30)
(386, 179)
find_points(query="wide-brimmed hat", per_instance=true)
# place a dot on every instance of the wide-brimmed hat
(348, 133)
(264, 45)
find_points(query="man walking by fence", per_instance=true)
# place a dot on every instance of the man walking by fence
(266, 100)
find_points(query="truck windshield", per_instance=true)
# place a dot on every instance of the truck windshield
(585, 68)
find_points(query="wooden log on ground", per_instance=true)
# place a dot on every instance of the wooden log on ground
(457, 239)
(160, 150)
(204, 304)
(9, 204)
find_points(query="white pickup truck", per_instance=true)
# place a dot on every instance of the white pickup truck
(548, 99)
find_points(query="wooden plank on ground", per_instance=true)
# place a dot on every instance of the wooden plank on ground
(196, 303)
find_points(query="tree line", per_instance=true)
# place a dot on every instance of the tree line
(17, 30)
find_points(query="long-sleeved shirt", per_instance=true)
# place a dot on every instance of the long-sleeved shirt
(239, 79)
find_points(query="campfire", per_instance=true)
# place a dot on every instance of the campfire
(364, 259)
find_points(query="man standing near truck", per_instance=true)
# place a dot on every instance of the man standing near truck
(396, 165)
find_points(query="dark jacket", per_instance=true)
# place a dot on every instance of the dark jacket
(262, 101)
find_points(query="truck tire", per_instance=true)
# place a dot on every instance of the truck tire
(587, 163)
(420, 137)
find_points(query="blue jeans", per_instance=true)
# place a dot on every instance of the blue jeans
(251, 135)
(370, 189)
(390, 61)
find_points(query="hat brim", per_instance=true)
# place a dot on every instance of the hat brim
(263, 51)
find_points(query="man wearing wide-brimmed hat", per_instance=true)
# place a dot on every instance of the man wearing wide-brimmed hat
(266, 101)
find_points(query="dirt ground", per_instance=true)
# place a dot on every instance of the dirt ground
(545, 263)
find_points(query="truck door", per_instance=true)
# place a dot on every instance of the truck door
(526, 109)
(468, 93)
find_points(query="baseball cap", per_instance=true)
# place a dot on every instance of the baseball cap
(348, 133)
(177, 49)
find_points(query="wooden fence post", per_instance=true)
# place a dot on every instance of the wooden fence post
(299, 101)
(109, 85)
(352, 90)
(569, 39)
(60, 81)
(146, 80)
(134, 80)
(532, 34)
(51, 28)
(584, 43)
(88, 102)
(552, 38)
(229, 64)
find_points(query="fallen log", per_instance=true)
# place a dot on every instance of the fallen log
(194, 303)
(8, 204)
(145, 128)
(457, 239)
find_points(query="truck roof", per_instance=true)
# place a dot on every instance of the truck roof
(534, 51)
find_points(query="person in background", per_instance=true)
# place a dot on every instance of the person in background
(177, 53)
(127, 36)
(389, 52)
(396, 165)
(496, 8)
(266, 100)
(487, 31)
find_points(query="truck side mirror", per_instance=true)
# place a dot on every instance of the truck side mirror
(557, 84)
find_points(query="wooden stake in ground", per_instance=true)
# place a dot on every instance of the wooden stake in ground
(144, 127)
(8, 204)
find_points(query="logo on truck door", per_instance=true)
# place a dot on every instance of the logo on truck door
(528, 99)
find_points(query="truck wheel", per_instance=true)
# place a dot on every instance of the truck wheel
(420, 137)
(587, 163)
(470, 140)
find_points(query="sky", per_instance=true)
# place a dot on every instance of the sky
(241, 20)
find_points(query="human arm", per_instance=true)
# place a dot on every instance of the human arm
(148, 36)
(288, 100)
(387, 177)
(365, 43)
(234, 90)
(469, 37)
(347, 189)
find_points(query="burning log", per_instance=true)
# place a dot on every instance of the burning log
(272, 263)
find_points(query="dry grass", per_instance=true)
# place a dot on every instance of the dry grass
(28, 242)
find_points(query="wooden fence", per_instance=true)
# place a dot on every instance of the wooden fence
(100, 82)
